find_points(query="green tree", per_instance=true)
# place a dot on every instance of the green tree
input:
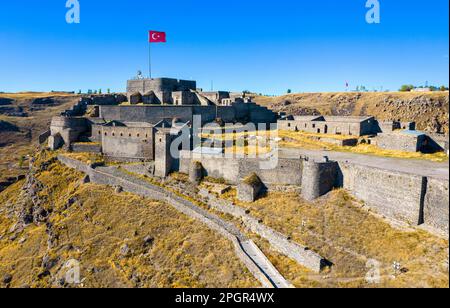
(289, 91)
(100, 91)
(108, 91)
(406, 88)
(443, 88)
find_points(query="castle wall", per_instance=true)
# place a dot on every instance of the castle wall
(211, 113)
(128, 142)
(395, 195)
(154, 114)
(334, 127)
(86, 148)
(436, 209)
(181, 98)
(217, 96)
(69, 128)
(287, 171)
(111, 177)
(233, 170)
(164, 162)
(151, 114)
(278, 241)
(216, 167)
(400, 196)
(318, 178)
(160, 85)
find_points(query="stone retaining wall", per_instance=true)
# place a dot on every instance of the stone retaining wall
(113, 177)
(278, 241)
(404, 197)
(401, 196)
(436, 205)
(86, 148)
(75, 164)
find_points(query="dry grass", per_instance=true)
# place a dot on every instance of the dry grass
(422, 108)
(183, 253)
(309, 141)
(88, 158)
(303, 140)
(33, 95)
(24, 142)
(346, 234)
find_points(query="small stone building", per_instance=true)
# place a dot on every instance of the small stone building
(352, 126)
(405, 141)
(250, 188)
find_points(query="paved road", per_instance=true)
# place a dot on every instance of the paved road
(411, 166)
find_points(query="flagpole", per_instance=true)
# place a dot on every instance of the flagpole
(150, 59)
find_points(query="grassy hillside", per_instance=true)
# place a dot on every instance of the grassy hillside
(16, 144)
(120, 240)
(350, 236)
(429, 110)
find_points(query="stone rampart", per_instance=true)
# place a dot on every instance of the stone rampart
(278, 241)
(436, 204)
(75, 164)
(86, 148)
(318, 178)
(392, 194)
(114, 177)
(400, 196)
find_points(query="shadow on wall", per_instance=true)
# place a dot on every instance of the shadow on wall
(430, 146)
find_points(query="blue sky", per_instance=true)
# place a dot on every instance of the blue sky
(265, 46)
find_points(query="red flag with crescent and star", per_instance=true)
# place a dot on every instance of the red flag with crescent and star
(157, 37)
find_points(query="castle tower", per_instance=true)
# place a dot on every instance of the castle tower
(319, 178)
(163, 158)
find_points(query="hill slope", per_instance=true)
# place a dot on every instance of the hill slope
(23, 117)
(429, 110)
(120, 240)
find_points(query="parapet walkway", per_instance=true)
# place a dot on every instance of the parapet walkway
(246, 249)
(410, 166)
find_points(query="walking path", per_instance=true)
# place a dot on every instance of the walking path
(424, 168)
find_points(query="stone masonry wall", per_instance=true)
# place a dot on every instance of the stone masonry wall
(278, 241)
(436, 207)
(395, 195)
(400, 196)
(113, 177)
(86, 148)
(233, 170)
(400, 142)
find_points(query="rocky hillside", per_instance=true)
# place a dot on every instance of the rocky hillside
(429, 110)
(52, 221)
(23, 117)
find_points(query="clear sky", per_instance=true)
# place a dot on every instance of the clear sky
(264, 46)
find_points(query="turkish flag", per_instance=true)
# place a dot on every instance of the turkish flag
(156, 37)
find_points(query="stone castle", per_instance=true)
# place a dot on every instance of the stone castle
(158, 111)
